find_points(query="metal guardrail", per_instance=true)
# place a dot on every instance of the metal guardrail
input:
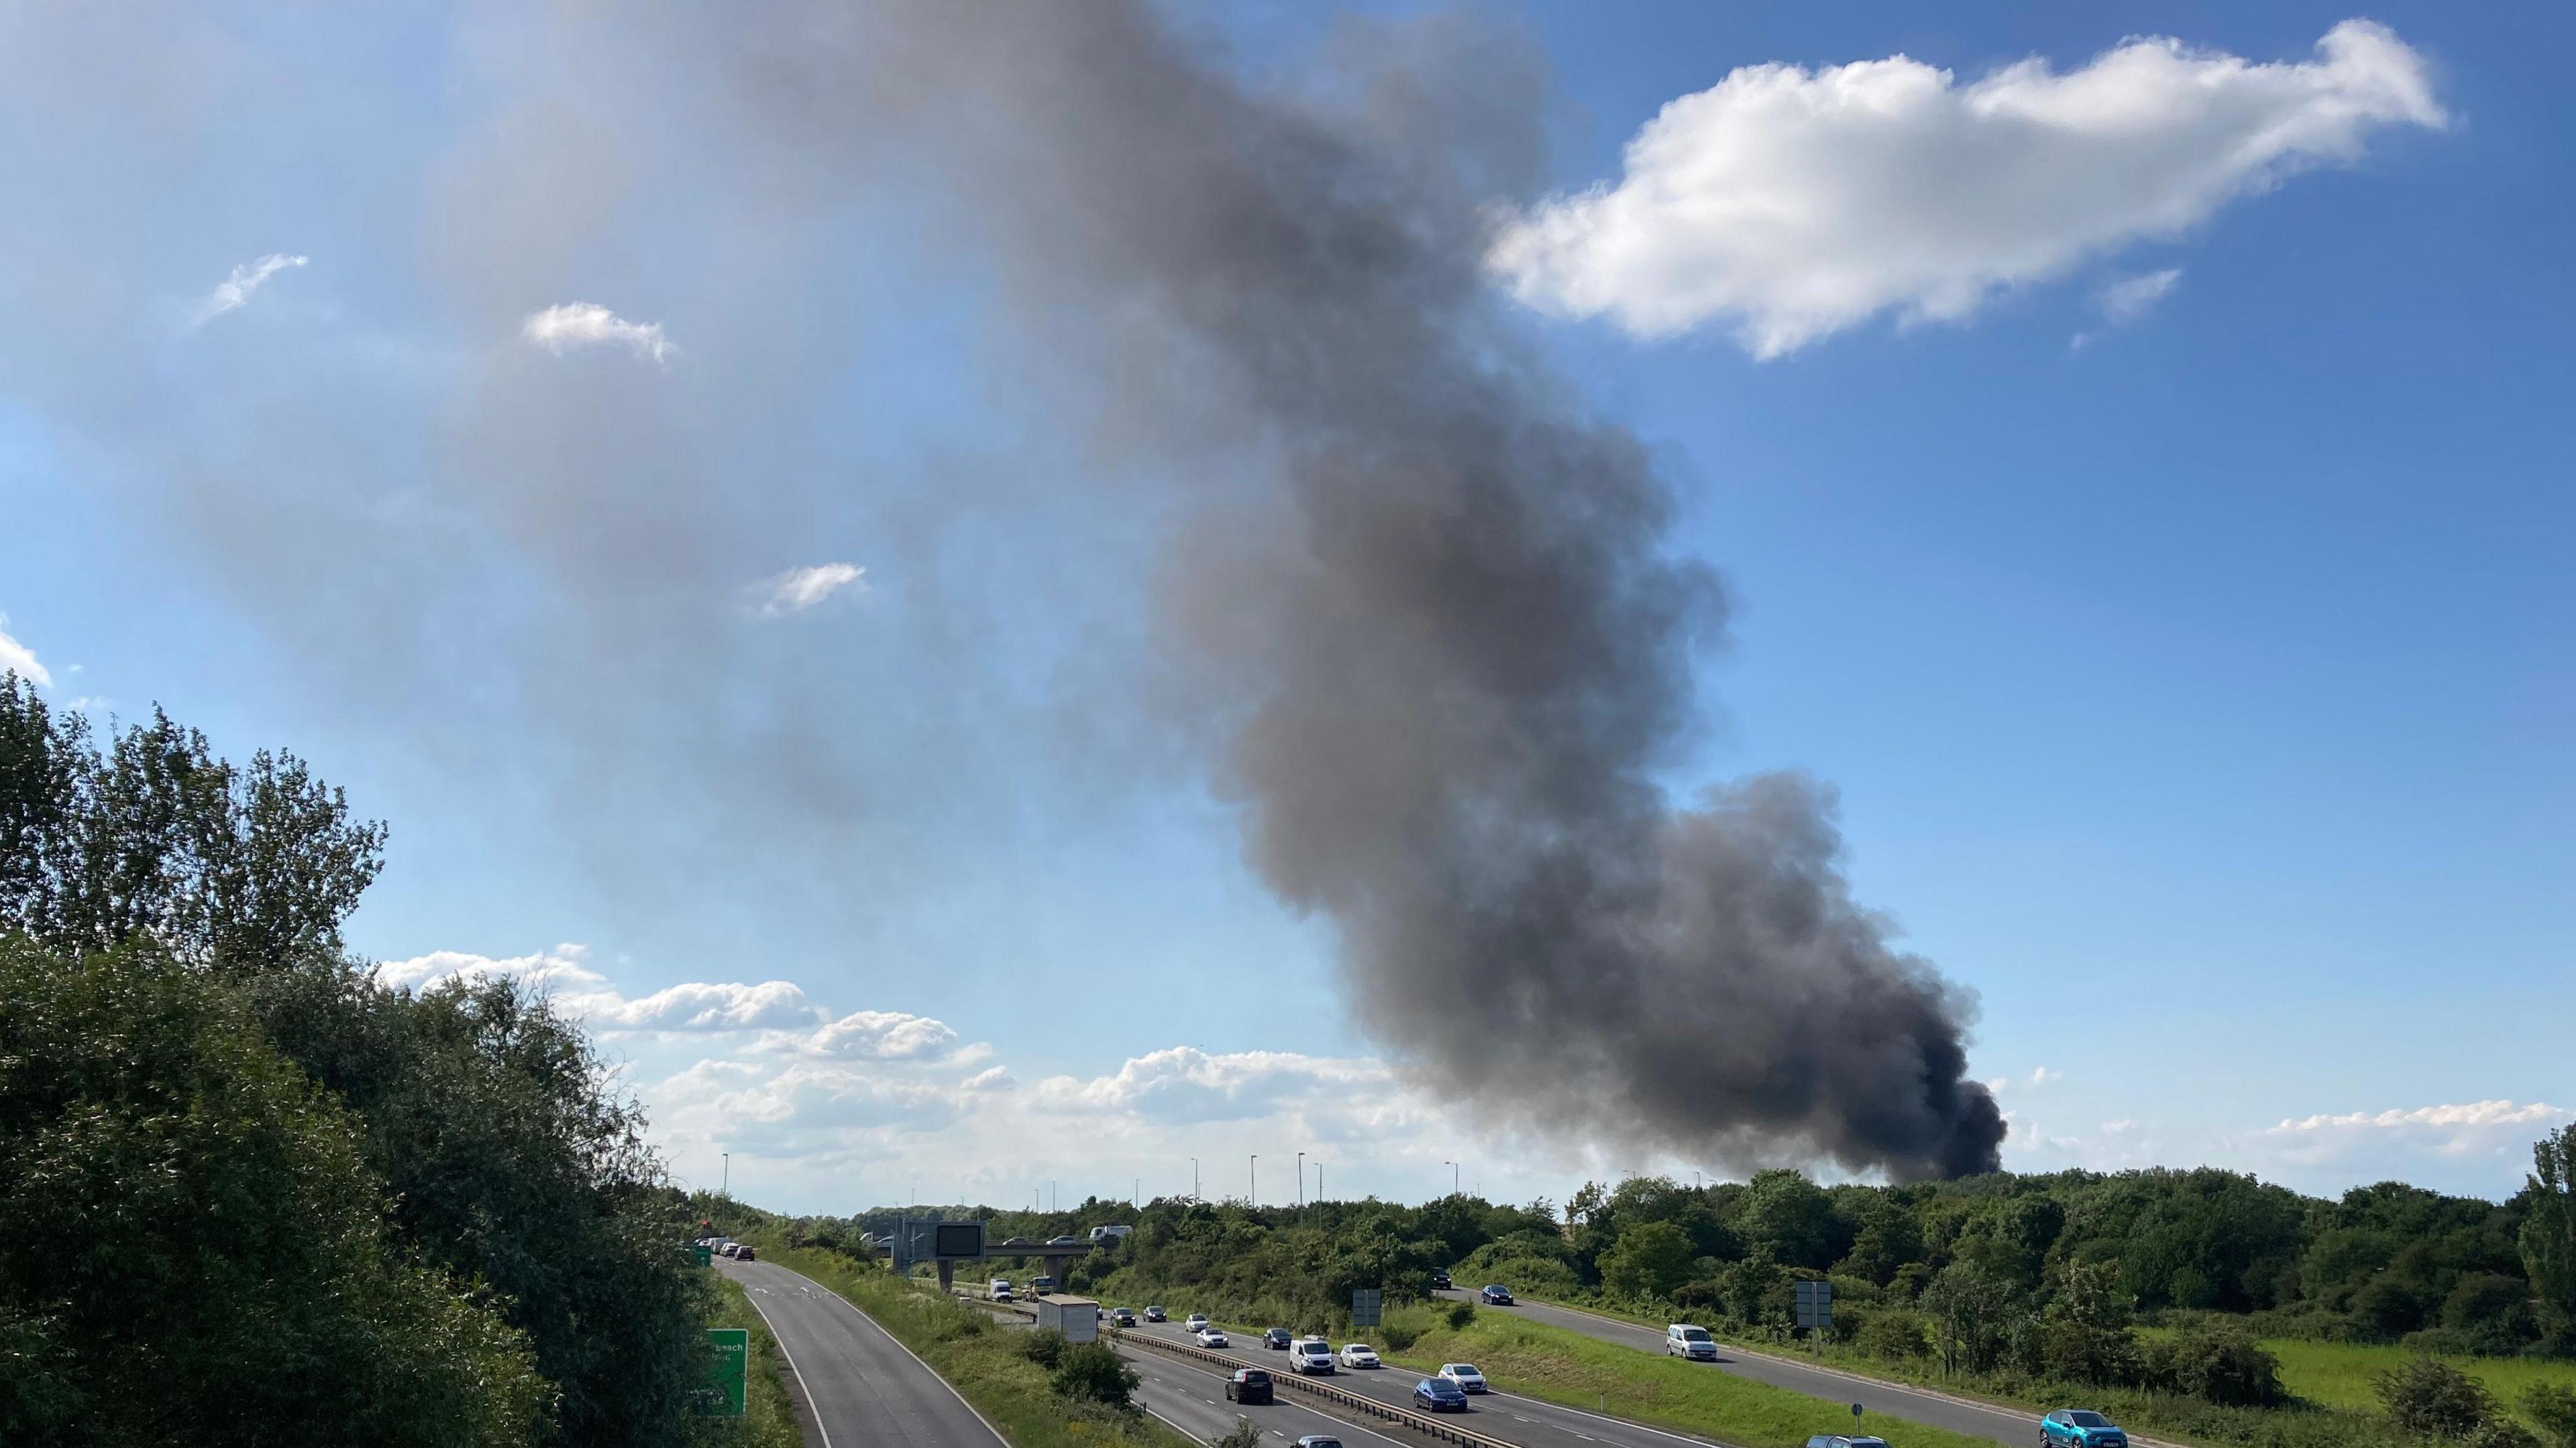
(1424, 1423)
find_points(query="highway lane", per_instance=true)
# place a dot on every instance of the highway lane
(1911, 1405)
(867, 1390)
(1525, 1421)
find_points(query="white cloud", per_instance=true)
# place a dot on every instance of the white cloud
(564, 974)
(2456, 1127)
(875, 1036)
(2130, 298)
(799, 589)
(1788, 204)
(2042, 1075)
(20, 659)
(576, 325)
(234, 291)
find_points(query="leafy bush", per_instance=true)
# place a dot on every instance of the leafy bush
(2553, 1407)
(1895, 1334)
(1460, 1315)
(1045, 1347)
(1092, 1372)
(2216, 1359)
(1246, 1434)
(2429, 1398)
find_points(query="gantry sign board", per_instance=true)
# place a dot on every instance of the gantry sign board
(1368, 1306)
(1815, 1304)
(912, 1242)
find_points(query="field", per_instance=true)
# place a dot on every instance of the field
(1568, 1368)
(2339, 1373)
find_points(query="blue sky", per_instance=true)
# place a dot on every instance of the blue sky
(2195, 672)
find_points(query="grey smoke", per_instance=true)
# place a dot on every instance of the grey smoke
(1437, 644)
(1415, 611)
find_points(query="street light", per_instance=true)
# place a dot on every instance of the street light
(1194, 1180)
(726, 1190)
(1255, 1199)
(1453, 1176)
(1301, 1181)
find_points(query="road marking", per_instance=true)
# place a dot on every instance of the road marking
(790, 1359)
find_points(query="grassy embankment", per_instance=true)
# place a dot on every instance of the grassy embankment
(771, 1422)
(981, 1360)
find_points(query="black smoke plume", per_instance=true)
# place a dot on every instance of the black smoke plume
(1428, 622)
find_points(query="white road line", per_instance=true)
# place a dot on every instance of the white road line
(800, 1377)
(916, 1357)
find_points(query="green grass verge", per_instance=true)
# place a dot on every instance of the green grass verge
(981, 1360)
(771, 1420)
(2340, 1374)
(1559, 1365)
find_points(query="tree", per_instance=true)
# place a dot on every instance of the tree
(2086, 1334)
(2429, 1398)
(1650, 1259)
(1093, 1372)
(2213, 1359)
(222, 866)
(191, 1249)
(2549, 1226)
(1973, 1313)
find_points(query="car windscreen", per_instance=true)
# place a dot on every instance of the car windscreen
(2088, 1420)
(1464, 1370)
(1694, 1334)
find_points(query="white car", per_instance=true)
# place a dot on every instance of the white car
(1358, 1355)
(1683, 1339)
(1211, 1337)
(1465, 1376)
(1310, 1355)
(1194, 1322)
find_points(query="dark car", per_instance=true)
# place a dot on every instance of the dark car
(1276, 1339)
(1248, 1385)
(1121, 1317)
(1497, 1295)
(1015, 1241)
(1440, 1282)
(2079, 1428)
(1155, 1314)
(744, 1253)
(1437, 1395)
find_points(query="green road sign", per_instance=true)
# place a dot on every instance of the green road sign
(701, 1253)
(722, 1395)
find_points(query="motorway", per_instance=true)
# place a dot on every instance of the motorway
(1889, 1400)
(867, 1390)
(1524, 1421)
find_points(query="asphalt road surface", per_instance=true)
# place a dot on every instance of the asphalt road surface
(867, 1390)
(1524, 1421)
(1877, 1399)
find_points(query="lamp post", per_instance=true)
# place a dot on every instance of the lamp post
(1319, 1184)
(1194, 1180)
(1255, 1170)
(1453, 1176)
(1301, 1181)
(726, 1190)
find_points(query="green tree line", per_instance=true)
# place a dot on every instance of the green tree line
(250, 1195)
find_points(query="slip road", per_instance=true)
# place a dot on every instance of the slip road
(866, 1389)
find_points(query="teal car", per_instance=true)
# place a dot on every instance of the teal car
(2080, 1428)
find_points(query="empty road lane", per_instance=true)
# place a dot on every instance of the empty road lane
(867, 1390)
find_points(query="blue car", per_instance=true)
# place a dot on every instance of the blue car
(1434, 1395)
(2080, 1428)
(1497, 1295)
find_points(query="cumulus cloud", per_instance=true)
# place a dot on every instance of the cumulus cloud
(21, 660)
(576, 325)
(1185, 1084)
(799, 589)
(875, 1036)
(1787, 204)
(565, 975)
(235, 291)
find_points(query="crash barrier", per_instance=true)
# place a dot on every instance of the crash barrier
(1437, 1427)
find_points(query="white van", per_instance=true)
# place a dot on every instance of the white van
(1310, 1355)
(1683, 1339)
(1001, 1289)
